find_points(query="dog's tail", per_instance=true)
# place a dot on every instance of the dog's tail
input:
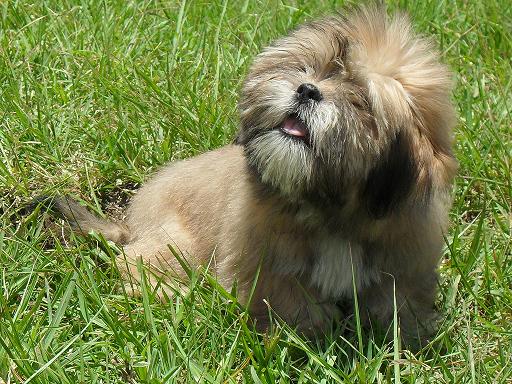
(81, 219)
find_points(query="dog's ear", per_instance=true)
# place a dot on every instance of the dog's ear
(391, 181)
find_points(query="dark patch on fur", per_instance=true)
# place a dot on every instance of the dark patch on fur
(248, 132)
(239, 138)
(262, 190)
(328, 189)
(390, 182)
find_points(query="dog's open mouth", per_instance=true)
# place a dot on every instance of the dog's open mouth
(296, 128)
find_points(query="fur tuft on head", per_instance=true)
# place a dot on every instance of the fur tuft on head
(405, 79)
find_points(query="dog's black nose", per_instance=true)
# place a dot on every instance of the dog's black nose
(308, 91)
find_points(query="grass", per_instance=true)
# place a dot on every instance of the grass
(94, 95)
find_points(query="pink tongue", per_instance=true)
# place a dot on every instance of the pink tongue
(295, 127)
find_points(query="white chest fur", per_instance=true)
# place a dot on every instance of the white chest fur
(336, 262)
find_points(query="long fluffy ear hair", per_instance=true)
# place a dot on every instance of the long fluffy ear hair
(408, 86)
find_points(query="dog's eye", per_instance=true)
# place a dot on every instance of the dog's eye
(333, 69)
(306, 69)
(330, 74)
(361, 103)
(358, 99)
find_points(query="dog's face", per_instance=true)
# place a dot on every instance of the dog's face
(355, 103)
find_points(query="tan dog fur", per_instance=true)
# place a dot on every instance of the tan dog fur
(366, 194)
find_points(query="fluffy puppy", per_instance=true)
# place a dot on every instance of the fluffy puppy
(339, 180)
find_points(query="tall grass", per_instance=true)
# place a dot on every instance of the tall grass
(95, 95)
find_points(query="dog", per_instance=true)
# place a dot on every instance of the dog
(338, 182)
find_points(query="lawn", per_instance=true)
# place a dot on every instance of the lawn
(95, 95)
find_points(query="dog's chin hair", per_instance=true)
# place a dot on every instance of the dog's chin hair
(288, 165)
(282, 162)
(320, 119)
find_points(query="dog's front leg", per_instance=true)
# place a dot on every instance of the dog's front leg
(293, 301)
(411, 296)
